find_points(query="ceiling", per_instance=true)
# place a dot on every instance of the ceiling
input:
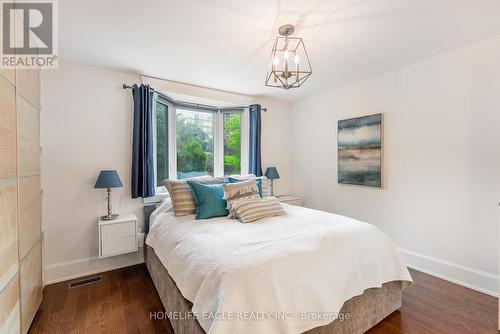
(226, 44)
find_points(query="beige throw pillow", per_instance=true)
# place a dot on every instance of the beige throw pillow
(266, 184)
(235, 191)
(181, 195)
(248, 209)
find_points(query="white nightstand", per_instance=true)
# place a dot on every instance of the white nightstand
(118, 236)
(289, 199)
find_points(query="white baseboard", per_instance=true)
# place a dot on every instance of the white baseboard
(60, 272)
(470, 278)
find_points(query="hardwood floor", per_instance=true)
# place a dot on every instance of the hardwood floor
(123, 300)
(120, 303)
(433, 305)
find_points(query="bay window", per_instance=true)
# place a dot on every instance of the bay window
(193, 142)
(232, 143)
(161, 138)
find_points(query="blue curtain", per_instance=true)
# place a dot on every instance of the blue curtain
(255, 165)
(142, 143)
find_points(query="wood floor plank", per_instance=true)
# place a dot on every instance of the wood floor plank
(117, 314)
(123, 300)
(104, 306)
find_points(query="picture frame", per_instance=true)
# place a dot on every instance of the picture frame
(360, 151)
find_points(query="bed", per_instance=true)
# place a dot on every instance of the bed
(306, 272)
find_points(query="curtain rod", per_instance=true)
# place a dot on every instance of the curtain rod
(195, 105)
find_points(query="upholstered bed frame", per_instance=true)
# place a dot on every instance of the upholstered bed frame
(361, 312)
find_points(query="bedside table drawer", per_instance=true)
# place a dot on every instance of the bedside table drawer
(118, 238)
(121, 229)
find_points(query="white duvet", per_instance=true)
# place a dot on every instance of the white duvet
(285, 274)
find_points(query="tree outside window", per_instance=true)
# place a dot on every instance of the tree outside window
(195, 143)
(232, 143)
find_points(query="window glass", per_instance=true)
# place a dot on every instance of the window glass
(195, 143)
(232, 143)
(161, 143)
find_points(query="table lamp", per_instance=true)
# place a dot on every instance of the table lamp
(108, 179)
(272, 174)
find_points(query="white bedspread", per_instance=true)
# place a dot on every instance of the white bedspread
(277, 275)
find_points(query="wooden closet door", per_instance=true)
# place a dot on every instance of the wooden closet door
(10, 75)
(8, 146)
(27, 85)
(28, 124)
(9, 287)
(30, 228)
(31, 285)
(29, 195)
(20, 198)
(9, 307)
(9, 231)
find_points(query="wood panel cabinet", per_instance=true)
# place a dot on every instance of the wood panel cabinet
(27, 85)
(9, 75)
(31, 285)
(7, 129)
(28, 138)
(9, 232)
(20, 201)
(9, 307)
(29, 213)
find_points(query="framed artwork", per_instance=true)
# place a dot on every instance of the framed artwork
(359, 149)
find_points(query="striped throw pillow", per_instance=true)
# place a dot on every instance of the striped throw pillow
(266, 186)
(235, 191)
(265, 183)
(248, 210)
(182, 196)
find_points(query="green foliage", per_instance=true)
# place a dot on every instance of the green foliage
(195, 146)
(187, 131)
(232, 143)
(191, 157)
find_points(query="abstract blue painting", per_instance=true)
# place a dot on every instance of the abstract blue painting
(360, 151)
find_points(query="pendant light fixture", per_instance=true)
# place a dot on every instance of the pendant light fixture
(289, 66)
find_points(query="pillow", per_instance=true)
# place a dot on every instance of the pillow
(234, 191)
(209, 200)
(259, 183)
(164, 206)
(161, 208)
(248, 210)
(265, 186)
(181, 195)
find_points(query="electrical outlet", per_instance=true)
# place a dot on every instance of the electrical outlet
(123, 201)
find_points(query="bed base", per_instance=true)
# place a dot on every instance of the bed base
(365, 310)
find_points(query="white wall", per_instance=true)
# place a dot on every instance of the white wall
(86, 127)
(441, 160)
(276, 146)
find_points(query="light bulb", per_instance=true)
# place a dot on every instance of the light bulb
(286, 55)
(297, 59)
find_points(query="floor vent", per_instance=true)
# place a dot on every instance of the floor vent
(83, 282)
